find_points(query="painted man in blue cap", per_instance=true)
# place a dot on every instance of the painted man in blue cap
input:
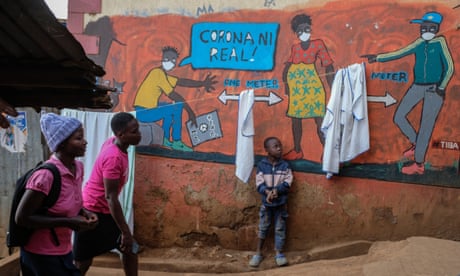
(433, 70)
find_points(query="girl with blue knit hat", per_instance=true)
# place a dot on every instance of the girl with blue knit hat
(48, 252)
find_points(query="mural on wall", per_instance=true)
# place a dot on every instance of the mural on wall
(233, 45)
(158, 82)
(305, 90)
(289, 57)
(433, 70)
(103, 29)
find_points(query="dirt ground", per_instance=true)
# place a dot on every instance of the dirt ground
(413, 256)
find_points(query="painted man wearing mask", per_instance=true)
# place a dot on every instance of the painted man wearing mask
(433, 70)
(303, 85)
(157, 82)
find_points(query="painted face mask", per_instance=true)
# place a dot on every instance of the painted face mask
(304, 36)
(428, 36)
(168, 65)
(428, 30)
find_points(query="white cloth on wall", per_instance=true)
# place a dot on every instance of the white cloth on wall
(97, 129)
(331, 126)
(244, 160)
(355, 136)
(346, 123)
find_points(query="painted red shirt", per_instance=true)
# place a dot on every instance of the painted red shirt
(317, 49)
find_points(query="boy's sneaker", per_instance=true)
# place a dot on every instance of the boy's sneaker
(281, 260)
(256, 260)
(413, 169)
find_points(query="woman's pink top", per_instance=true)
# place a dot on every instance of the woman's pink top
(111, 163)
(69, 204)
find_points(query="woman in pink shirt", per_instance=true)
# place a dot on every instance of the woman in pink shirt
(45, 253)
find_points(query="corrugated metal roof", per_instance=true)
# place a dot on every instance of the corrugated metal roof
(42, 64)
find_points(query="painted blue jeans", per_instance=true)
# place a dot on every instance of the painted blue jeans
(277, 214)
(170, 113)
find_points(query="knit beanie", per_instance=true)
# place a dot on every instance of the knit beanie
(57, 128)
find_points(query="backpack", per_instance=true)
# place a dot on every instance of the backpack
(18, 235)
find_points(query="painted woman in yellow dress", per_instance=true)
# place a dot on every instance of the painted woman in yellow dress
(307, 97)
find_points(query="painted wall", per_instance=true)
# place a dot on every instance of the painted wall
(186, 189)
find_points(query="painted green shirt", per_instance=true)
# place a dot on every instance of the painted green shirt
(433, 62)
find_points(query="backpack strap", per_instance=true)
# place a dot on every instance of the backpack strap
(53, 194)
(55, 191)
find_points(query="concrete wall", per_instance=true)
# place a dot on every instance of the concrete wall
(13, 165)
(179, 202)
(184, 197)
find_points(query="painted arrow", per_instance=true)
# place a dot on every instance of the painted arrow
(387, 99)
(223, 97)
(272, 98)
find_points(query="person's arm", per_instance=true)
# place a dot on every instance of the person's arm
(268, 194)
(27, 215)
(285, 76)
(91, 216)
(448, 66)
(405, 51)
(262, 187)
(207, 83)
(285, 186)
(7, 109)
(330, 74)
(389, 56)
(178, 98)
(111, 194)
(282, 189)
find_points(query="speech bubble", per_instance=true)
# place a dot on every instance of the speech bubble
(233, 45)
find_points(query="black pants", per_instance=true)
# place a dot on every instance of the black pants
(47, 265)
(91, 243)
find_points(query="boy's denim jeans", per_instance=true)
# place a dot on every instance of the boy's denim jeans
(277, 214)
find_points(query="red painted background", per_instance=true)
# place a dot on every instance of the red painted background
(348, 29)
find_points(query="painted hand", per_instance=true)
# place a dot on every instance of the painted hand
(370, 58)
(209, 82)
(441, 92)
